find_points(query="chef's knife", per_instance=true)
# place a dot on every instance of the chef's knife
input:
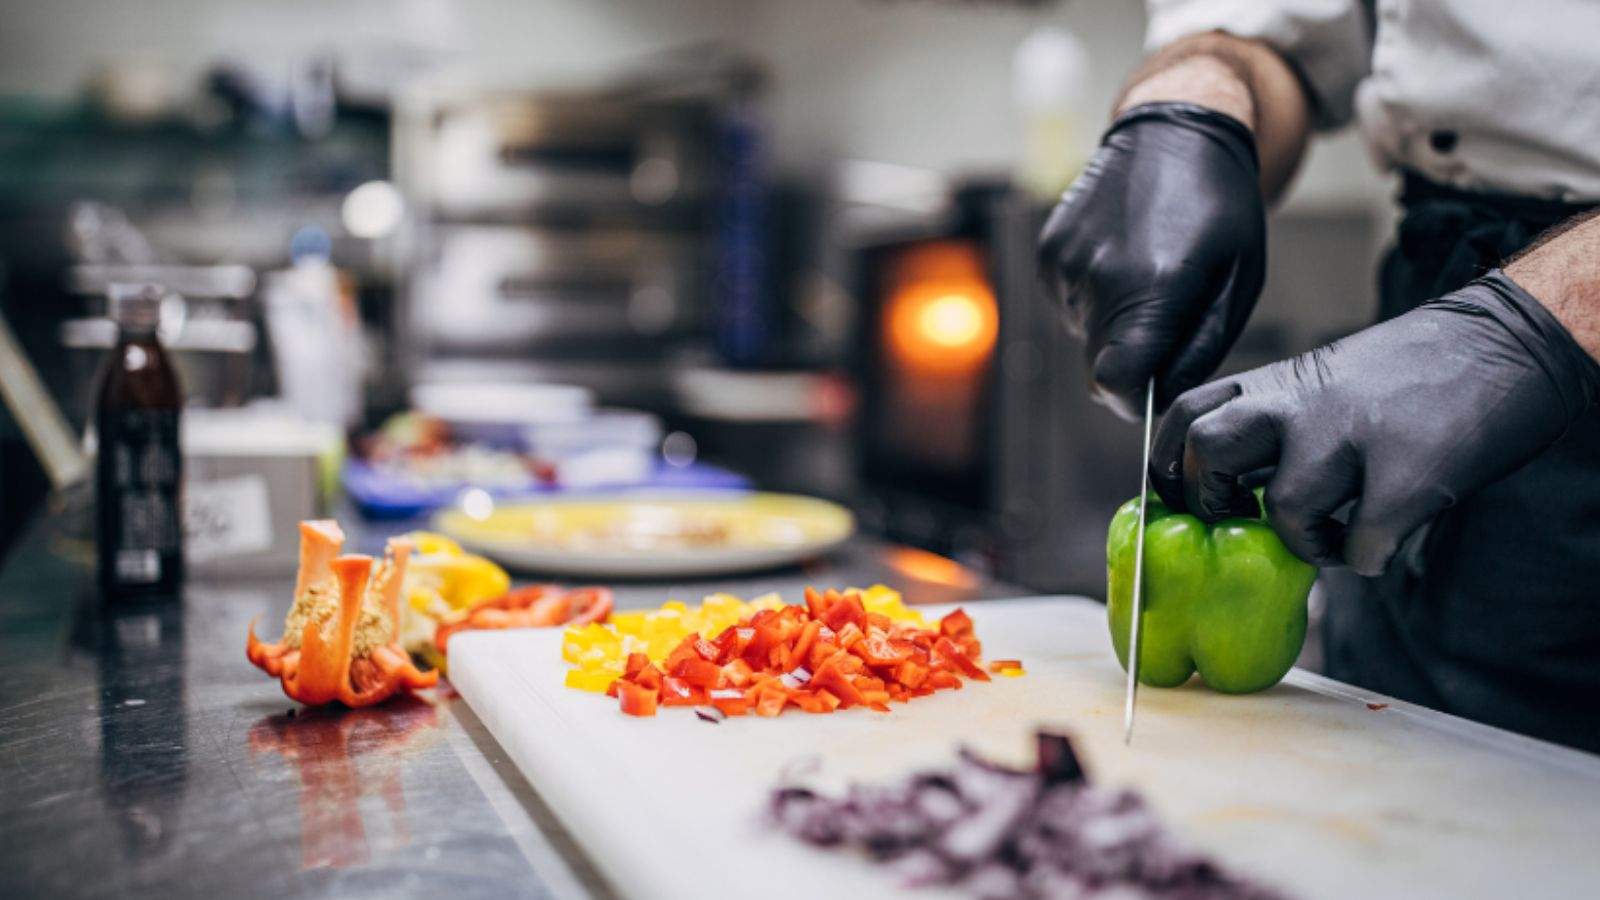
(1138, 566)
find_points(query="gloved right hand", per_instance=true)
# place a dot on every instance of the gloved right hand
(1158, 250)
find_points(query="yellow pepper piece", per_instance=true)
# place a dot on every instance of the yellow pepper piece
(593, 680)
(427, 543)
(443, 580)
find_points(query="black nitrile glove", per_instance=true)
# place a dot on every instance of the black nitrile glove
(1404, 418)
(1157, 250)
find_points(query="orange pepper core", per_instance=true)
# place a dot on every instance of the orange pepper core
(326, 666)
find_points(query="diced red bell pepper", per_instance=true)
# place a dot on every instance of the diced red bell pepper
(761, 665)
(819, 653)
(648, 677)
(798, 653)
(735, 674)
(706, 649)
(954, 623)
(686, 649)
(876, 697)
(911, 674)
(698, 673)
(771, 701)
(677, 692)
(758, 651)
(835, 682)
(731, 702)
(847, 610)
(953, 655)
(636, 700)
(731, 643)
(815, 701)
(880, 651)
(816, 603)
(635, 664)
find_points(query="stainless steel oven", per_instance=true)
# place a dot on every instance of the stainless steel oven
(557, 235)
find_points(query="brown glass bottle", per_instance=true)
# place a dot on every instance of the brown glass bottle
(139, 467)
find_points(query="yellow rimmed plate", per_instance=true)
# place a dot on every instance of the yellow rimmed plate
(652, 535)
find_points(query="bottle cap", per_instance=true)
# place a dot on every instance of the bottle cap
(136, 307)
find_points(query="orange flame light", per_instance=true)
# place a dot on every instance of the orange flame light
(941, 316)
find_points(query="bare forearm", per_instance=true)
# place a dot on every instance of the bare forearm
(1562, 270)
(1242, 78)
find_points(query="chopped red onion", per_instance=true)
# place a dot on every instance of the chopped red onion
(995, 831)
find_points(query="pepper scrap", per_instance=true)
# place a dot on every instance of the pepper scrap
(830, 653)
(442, 581)
(1227, 600)
(339, 639)
(535, 606)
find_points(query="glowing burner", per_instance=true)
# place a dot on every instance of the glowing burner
(941, 316)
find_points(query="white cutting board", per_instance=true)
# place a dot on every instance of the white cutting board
(1303, 786)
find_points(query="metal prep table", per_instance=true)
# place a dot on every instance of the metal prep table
(142, 755)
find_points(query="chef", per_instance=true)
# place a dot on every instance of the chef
(1443, 465)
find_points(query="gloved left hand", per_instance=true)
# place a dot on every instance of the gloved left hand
(1404, 418)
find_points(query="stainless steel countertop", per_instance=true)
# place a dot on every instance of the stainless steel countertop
(142, 755)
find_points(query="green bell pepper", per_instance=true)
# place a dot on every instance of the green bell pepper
(1228, 599)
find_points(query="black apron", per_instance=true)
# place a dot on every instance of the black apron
(1493, 611)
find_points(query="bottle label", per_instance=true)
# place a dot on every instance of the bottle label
(139, 448)
(138, 566)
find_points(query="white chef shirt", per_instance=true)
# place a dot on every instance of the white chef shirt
(1483, 95)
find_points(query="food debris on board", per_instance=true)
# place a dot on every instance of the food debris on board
(837, 650)
(340, 638)
(1010, 668)
(999, 832)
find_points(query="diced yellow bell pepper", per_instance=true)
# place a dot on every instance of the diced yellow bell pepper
(595, 680)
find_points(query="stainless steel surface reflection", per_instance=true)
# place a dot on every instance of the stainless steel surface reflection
(141, 755)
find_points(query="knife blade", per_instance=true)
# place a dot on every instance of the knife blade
(1138, 566)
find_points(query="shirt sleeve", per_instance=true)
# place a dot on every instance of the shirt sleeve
(1328, 41)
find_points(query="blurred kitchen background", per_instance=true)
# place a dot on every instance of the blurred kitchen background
(785, 244)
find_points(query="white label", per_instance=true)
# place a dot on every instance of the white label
(227, 517)
(138, 566)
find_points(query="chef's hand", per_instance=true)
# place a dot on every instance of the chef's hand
(1404, 418)
(1157, 250)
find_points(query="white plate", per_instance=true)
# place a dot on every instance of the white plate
(564, 537)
